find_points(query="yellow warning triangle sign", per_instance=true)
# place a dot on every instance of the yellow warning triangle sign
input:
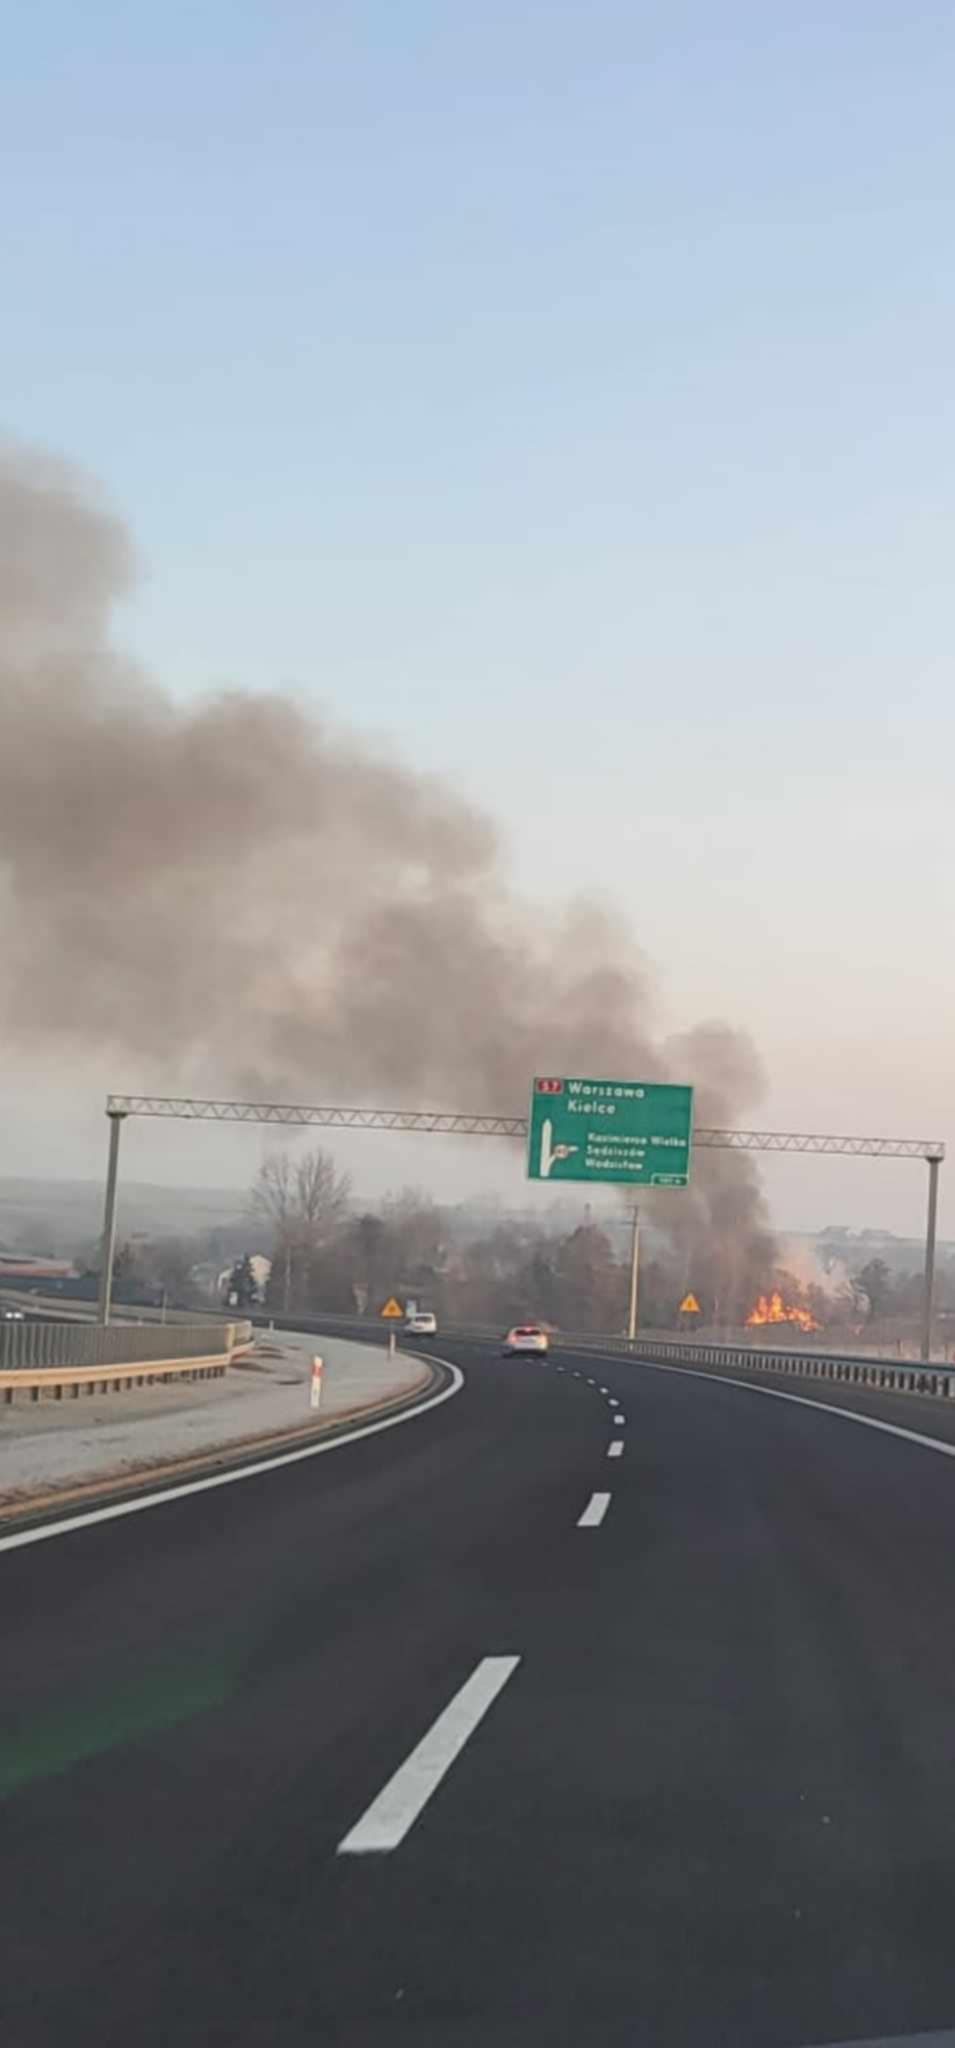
(392, 1308)
(689, 1306)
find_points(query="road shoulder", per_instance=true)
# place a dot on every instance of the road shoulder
(51, 1464)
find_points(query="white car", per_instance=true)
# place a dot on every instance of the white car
(524, 1337)
(422, 1324)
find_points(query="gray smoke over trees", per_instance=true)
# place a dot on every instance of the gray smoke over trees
(238, 890)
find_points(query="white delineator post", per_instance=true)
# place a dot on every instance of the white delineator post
(315, 1395)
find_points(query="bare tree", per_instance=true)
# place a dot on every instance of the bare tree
(305, 1202)
(273, 1197)
(322, 1195)
(273, 1193)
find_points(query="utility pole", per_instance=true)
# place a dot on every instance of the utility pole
(928, 1285)
(116, 1121)
(634, 1275)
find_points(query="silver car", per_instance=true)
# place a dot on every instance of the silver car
(524, 1337)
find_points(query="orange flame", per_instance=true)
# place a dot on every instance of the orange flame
(774, 1310)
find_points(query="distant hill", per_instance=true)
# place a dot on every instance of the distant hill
(53, 1217)
(856, 1247)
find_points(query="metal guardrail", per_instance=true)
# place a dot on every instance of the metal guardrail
(34, 1346)
(90, 1379)
(879, 1374)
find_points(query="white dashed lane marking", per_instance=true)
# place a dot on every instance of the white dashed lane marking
(594, 1511)
(397, 1807)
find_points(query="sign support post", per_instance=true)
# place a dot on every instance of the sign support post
(108, 1246)
(634, 1276)
(928, 1284)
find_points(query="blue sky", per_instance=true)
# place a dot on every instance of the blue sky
(563, 393)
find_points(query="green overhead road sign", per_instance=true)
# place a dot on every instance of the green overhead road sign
(636, 1131)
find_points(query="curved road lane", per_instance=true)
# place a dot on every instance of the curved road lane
(601, 1704)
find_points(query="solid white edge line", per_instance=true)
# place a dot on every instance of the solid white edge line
(113, 1513)
(594, 1511)
(385, 1823)
(615, 1450)
(912, 1436)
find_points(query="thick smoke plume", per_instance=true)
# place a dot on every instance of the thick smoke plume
(237, 890)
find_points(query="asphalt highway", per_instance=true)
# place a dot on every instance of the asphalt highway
(597, 1705)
